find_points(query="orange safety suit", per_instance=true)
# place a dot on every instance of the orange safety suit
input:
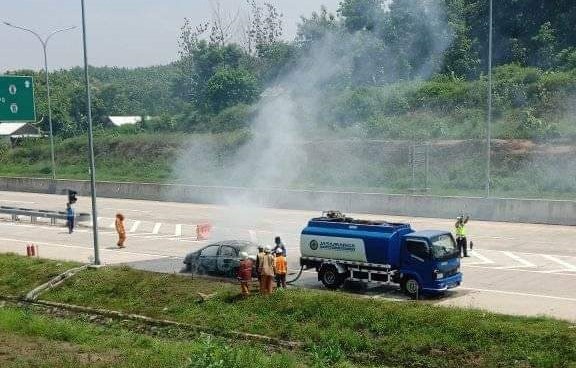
(121, 231)
(281, 270)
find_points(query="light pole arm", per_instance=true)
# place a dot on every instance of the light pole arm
(44, 42)
(27, 30)
(58, 31)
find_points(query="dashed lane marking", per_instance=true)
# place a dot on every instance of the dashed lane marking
(253, 236)
(178, 230)
(135, 226)
(485, 260)
(157, 227)
(518, 259)
(566, 265)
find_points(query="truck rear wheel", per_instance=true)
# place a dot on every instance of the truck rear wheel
(412, 287)
(330, 277)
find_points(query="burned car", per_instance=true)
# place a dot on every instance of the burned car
(219, 259)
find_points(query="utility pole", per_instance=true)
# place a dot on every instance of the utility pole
(90, 142)
(489, 125)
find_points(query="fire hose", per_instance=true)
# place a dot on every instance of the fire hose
(297, 276)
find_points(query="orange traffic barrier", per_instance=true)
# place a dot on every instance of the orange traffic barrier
(203, 231)
(31, 250)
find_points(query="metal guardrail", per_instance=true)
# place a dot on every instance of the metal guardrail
(35, 214)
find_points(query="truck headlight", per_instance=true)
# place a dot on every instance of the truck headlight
(439, 276)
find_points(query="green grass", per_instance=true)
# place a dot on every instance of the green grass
(31, 340)
(18, 275)
(455, 169)
(336, 325)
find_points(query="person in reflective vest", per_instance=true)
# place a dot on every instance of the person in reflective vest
(281, 269)
(461, 241)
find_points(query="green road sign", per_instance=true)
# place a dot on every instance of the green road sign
(17, 98)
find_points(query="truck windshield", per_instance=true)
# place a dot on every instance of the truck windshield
(444, 247)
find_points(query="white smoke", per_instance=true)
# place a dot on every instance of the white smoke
(289, 116)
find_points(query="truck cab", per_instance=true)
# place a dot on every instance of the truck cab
(429, 262)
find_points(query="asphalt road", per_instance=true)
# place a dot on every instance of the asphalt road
(519, 269)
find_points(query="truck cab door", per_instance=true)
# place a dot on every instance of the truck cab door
(417, 258)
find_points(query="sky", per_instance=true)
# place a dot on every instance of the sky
(126, 33)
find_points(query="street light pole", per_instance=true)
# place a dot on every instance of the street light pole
(489, 126)
(90, 142)
(44, 43)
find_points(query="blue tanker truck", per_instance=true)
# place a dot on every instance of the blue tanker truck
(343, 249)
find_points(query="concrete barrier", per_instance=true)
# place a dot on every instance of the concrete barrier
(556, 212)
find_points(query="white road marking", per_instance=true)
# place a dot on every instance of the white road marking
(253, 236)
(113, 224)
(518, 259)
(156, 228)
(135, 226)
(484, 259)
(520, 294)
(568, 266)
(519, 269)
(7, 201)
(54, 228)
(86, 248)
(178, 230)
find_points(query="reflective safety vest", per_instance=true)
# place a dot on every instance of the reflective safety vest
(460, 231)
(281, 265)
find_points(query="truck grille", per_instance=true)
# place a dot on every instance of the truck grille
(451, 272)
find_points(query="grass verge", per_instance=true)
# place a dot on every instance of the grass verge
(335, 327)
(18, 275)
(31, 340)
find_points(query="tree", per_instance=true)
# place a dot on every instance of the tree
(229, 87)
(546, 44)
(362, 15)
(315, 27)
(265, 26)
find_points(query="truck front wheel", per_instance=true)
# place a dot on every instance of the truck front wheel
(412, 287)
(330, 277)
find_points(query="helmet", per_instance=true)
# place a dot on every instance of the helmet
(459, 218)
(267, 249)
(279, 251)
(243, 255)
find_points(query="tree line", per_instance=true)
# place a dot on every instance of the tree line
(226, 63)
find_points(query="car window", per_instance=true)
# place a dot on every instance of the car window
(226, 251)
(417, 248)
(210, 251)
